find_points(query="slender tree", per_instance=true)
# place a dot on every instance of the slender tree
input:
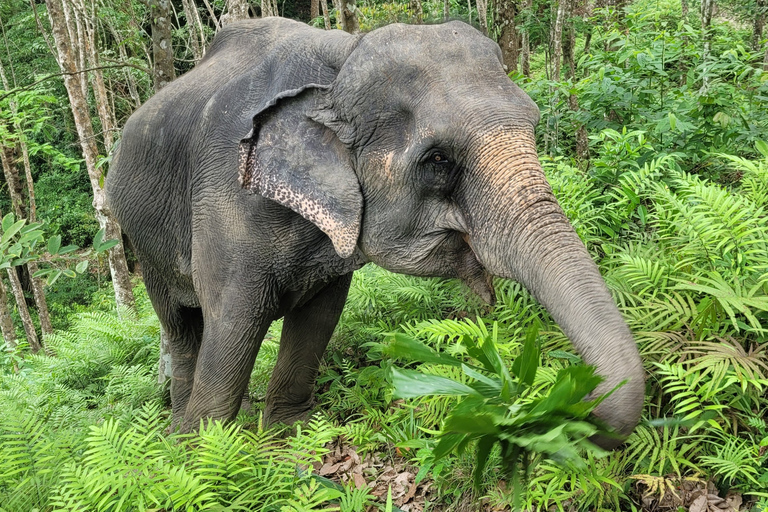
(314, 9)
(196, 30)
(482, 15)
(525, 43)
(73, 81)
(509, 40)
(557, 39)
(162, 47)
(446, 9)
(417, 11)
(759, 24)
(15, 190)
(237, 10)
(326, 14)
(6, 321)
(707, 8)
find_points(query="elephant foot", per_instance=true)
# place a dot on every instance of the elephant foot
(288, 414)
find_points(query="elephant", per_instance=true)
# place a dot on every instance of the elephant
(253, 186)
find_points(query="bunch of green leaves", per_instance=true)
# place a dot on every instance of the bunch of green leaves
(496, 406)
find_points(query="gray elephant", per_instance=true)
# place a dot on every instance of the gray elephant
(252, 187)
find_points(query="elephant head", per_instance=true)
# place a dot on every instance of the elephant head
(420, 156)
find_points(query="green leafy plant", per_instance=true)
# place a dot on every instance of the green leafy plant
(495, 408)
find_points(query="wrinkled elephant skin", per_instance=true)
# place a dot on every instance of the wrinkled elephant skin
(253, 186)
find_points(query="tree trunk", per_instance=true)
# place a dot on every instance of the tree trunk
(482, 15)
(557, 40)
(326, 14)
(417, 11)
(21, 304)
(162, 48)
(6, 322)
(446, 9)
(684, 9)
(569, 53)
(196, 30)
(759, 24)
(348, 15)
(73, 82)
(237, 10)
(525, 58)
(707, 7)
(508, 37)
(10, 170)
(314, 9)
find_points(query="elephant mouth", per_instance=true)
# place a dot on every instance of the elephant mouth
(473, 274)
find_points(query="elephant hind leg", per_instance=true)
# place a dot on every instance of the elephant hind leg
(305, 335)
(183, 330)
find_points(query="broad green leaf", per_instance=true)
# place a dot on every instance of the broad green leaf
(762, 147)
(12, 230)
(67, 249)
(8, 221)
(412, 384)
(53, 277)
(80, 268)
(526, 364)
(107, 245)
(408, 348)
(447, 443)
(484, 445)
(98, 238)
(54, 244)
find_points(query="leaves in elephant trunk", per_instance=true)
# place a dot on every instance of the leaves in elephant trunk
(497, 407)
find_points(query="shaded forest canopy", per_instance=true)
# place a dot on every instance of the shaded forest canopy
(654, 136)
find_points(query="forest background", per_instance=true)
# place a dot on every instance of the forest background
(653, 135)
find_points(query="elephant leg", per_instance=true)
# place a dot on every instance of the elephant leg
(306, 332)
(231, 340)
(183, 329)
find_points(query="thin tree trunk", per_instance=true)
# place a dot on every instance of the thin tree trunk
(707, 7)
(72, 80)
(337, 4)
(446, 9)
(6, 321)
(482, 15)
(349, 21)
(237, 10)
(132, 89)
(525, 43)
(509, 40)
(196, 30)
(569, 52)
(212, 14)
(684, 9)
(759, 24)
(326, 14)
(314, 9)
(417, 11)
(21, 304)
(10, 170)
(162, 48)
(557, 40)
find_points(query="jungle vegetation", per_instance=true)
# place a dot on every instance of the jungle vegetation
(654, 136)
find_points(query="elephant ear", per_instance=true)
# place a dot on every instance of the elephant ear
(300, 163)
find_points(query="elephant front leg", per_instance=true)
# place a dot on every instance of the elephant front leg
(231, 341)
(305, 335)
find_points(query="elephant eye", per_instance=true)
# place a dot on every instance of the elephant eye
(439, 158)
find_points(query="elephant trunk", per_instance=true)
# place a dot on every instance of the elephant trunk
(534, 243)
